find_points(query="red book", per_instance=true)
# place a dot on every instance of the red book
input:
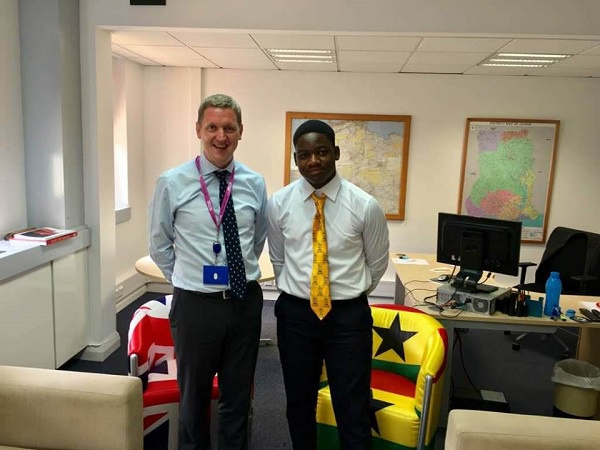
(43, 235)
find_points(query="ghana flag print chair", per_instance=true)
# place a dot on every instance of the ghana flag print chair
(152, 358)
(407, 372)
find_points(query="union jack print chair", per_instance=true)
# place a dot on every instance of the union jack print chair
(407, 372)
(152, 358)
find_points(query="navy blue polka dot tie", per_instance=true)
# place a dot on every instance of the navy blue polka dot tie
(235, 260)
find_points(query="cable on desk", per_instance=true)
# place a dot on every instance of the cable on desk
(417, 281)
(486, 278)
(410, 291)
(448, 316)
(452, 304)
(425, 302)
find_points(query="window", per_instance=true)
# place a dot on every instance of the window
(123, 212)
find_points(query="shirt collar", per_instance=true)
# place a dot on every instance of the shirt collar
(331, 189)
(208, 167)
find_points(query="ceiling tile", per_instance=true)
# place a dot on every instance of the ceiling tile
(315, 67)
(171, 56)
(216, 40)
(356, 52)
(144, 38)
(567, 72)
(372, 57)
(483, 70)
(436, 68)
(294, 41)
(447, 58)
(373, 67)
(177, 61)
(123, 52)
(470, 45)
(592, 51)
(237, 58)
(377, 43)
(579, 61)
(159, 51)
(568, 46)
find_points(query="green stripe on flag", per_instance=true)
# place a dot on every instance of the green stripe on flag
(327, 439)
(409, 371)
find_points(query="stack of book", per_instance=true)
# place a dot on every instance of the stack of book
(43, 235)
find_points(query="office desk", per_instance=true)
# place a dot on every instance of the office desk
(150, 270)
(413, 285)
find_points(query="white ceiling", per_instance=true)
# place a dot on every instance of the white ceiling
(355, 52)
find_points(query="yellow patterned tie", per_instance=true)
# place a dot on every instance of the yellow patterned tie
(320, 300)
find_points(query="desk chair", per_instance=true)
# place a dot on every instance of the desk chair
(576, 255)
(152, 358)
(406, 382)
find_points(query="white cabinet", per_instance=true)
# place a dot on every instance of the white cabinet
(43, 313)
(26, 324)
(69, 276)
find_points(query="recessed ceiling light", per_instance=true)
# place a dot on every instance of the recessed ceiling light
(534, 55)
(301, 56)
(512, 65)
(535, 60)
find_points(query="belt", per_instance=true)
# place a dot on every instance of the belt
(223, 295)
(342, 302)
(219, 295)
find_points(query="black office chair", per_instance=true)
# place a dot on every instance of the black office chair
(576, 255)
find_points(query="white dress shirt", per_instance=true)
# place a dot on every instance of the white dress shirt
(357, 238)
(182, 233)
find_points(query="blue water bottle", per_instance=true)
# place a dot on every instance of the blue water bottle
(553, 290)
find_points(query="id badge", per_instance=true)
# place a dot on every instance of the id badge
(216, 275)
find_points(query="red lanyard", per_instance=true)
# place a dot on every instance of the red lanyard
(207, 199)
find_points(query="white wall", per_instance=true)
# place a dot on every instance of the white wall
(171, 100)
(161, 106)
(13, 212)
(439, 106)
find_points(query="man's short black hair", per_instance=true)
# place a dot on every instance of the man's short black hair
(314, 126)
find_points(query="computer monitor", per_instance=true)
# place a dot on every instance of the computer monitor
(478, 244)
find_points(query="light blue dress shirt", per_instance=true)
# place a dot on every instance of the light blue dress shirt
(182, 232)
(357, 238)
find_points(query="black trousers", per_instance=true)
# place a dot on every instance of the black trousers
(343, 339)
(215, 335)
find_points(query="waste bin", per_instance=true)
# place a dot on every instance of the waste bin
(576, 389)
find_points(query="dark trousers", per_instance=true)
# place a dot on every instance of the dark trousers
(343, 339)
(215, 335)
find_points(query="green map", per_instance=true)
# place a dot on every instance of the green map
(507, 172)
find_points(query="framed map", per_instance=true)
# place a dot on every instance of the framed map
(373, 154)
(507, 172)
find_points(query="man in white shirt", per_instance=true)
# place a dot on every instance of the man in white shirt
(330, 323)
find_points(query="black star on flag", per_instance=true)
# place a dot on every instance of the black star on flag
(393, 338)
(376, 405)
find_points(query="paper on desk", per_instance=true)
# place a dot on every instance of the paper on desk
(418, 262)
(589, 305)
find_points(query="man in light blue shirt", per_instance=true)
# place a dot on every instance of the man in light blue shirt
(357, 255)
(215, 325)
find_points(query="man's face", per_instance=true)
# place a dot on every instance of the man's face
(315, 157)
(219, 132)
